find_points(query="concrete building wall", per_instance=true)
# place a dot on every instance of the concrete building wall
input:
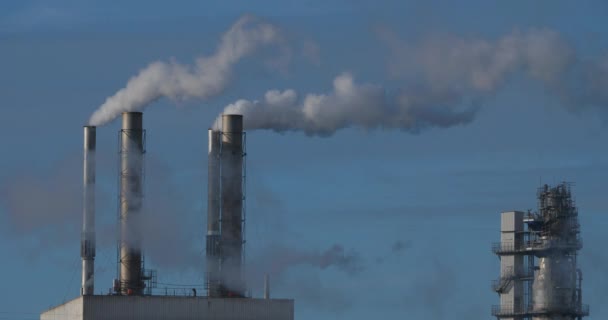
(71, 310)
(178, 308)
(512, 226)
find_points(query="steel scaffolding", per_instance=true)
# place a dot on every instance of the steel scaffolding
(542, 257)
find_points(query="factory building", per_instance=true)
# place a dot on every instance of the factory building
(539, 279)
(131, 296)
(118, 307)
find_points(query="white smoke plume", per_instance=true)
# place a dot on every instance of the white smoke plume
(208, 77)
(477, 65)
(444, 83)
(352, 105)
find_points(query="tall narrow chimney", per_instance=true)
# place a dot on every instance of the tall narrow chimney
(213, 214)
(131, 200)
(87, 244)
(266, 287)
(232, 204)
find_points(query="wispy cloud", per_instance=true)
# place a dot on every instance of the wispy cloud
(36, 17)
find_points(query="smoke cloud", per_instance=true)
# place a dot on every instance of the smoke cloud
(170, 222)
(444, 80)
(208, 77)
(449, 63)
(399, 246)
(43, 207)
(279, 259)
(432, 294)
(352, 105)
(48, 203)
(311, 292)
(397, 249)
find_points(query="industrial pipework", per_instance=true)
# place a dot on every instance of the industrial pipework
(539, 276)
(131, 203)
(87, 244)
(213, 215)
(555, 234)
(231, 180)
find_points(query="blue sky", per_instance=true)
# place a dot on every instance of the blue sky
(438, 193)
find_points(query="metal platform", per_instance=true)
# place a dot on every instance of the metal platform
(512, 312)
(535, 248)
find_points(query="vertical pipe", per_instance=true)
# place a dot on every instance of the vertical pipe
(232, 203)
(213, 214)
(266, 287)
(87, 244)
(579, 302)
(131, 199)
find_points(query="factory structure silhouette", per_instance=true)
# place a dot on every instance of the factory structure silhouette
(538, 279)
(131, 296)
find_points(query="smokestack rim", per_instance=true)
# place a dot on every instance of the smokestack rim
(236, 116)
(132, 120)
(232, 123)
(90, 137)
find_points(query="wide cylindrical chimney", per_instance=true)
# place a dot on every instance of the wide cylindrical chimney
(131, 200)
(87, 244)
(232, 203)
(213, 214)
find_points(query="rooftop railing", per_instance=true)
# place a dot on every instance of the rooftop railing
(536, 310)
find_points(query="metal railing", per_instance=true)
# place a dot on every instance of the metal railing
(530, 247)
(502, 285)
(536, 310)
(509, 276)
(509, 247)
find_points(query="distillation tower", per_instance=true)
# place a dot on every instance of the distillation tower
(539, 279)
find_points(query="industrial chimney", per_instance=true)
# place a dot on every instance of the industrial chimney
(266, 286)
(87, 244)
(232, 204)
(131, 200)
(213, 214)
